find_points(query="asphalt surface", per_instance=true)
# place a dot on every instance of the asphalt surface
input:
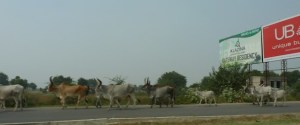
(57, 114)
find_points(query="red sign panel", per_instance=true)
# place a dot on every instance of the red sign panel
(281, 40)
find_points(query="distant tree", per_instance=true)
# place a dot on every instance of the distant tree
(117, 80)
(92, 83)
(61, 79)
(292, 77)
(3, 79)
(271, 74)
(229, 77)
(173, 79)
(256, 73)
(33, 86)
(195, 85)
(82, 81)
(207, 83)
(20, 81)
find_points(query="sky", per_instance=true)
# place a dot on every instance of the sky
(133, 39)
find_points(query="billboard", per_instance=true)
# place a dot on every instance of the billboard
(242, 48)
(281, 40)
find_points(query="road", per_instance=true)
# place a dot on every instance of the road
(57, 114)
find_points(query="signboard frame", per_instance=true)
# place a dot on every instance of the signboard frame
(244, 48)
(281, 39)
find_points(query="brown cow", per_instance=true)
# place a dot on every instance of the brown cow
(63, 90)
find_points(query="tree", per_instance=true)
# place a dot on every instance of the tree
(82, 81)
(207, 83)
(18, 80)
(173, 79)
(231, 76)
(117, 80)
(3, 79)
(61, 79)
(292, 77)
(256, 73)
(33, 86)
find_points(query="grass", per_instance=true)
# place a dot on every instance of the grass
(277, 119)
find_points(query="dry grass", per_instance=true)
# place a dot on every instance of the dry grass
(278, 119)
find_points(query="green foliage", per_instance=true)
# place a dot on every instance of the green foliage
(256, 73)
(231, 95)
(3, 79)
(292, 77)
(20, 81)
(82, 81)
(33, 86)
(173, 79)
(61, 79)
(191, 96)
(233, 76)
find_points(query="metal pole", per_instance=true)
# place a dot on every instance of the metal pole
(283, 73)
(266, 67)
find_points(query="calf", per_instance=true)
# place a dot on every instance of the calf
(12, 91)
(63, 90)
(204, 95)
(278, 94)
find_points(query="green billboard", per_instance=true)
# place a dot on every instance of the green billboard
(244, 48)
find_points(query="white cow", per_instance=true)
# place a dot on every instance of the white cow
(12, 91)
(115, 92)
(260, 92)
(278, 94)
(206, 95)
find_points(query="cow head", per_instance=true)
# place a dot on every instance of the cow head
(99, 84)
(51, 86)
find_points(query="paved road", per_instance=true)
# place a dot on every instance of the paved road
(56, 114)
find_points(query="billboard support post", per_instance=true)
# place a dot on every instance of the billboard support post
(283, 73)
(266, 68)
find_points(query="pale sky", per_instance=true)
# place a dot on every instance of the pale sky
(129, 38)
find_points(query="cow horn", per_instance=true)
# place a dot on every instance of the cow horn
(51, 81)
(99, 81)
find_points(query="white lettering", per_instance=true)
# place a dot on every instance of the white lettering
(287, 32)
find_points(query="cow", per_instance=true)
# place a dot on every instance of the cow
(278, 94)
(206, 95)
(159, 93)
(12, 91)
(259, 92)
(115, 92)
(63, 91)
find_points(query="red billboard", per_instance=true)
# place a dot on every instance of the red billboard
(281, 40)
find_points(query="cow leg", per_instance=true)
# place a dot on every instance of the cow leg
(3, 104)
(21, 102)
(200, 101)
(215, 101)
(117, 101)
(275, 102)
(62, 101)
(133, 98)
(86, 102)
(78, 101)
(172, 101)
(261, 100)
(16, 103)
(98, 102)
(152, 102)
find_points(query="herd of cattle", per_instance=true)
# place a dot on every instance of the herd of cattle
(114, 93)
